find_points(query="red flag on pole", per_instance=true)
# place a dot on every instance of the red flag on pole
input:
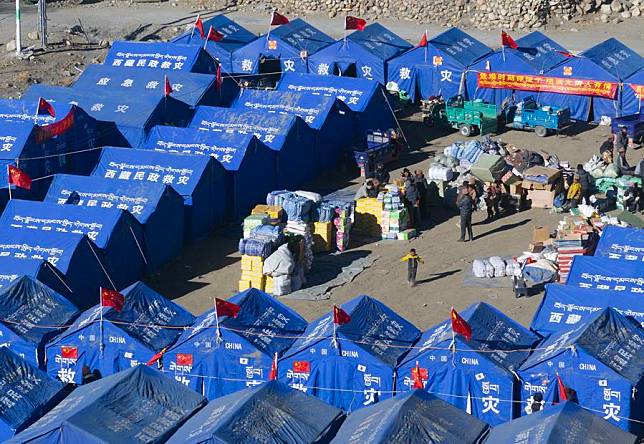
(354, 23)
(561, 389)
(340, 317)
(19, 178)
(418, 376)
(218, 80)
(69, 352)
(199, 26)
(273, 374)
(567, 54)
(214, 35)
(423, 40)
(225, 308)
(167, 89)
(112, 298)
(460, 326)
(278, 19)
(157, 356)
(506, 40)
(44, 107)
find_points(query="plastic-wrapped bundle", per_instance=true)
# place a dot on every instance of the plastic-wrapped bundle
(297, 208)
(440, 173)
(499, 266)
(472, 151)
(304, 230)
(277, 197)
(315, 197)
(256, 247)
(273, 233)
(279, 263)
(478, 268)
(323, 212)
(454, 150)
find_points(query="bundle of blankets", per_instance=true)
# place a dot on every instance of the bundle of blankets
(598, 169)
(493, 267)
(262, 241)
(306, 206)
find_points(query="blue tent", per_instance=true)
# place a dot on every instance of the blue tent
(621, 243)
(365, 98)
(115, 232)
(536, 55)
(156, 206)
(601, 359)
(137, 405)
(362, 54)
(565, 306)
(609, 61)
(273, 411)
(360, 369)
(147, 324)
(413, 417)
(289, 136)
(331, 118)
(437, 69)
(74, 255)
(187, 87)
(235, 36)
(124, 119)
(606, 274)
(163, 56)
(29, 310)
(243, 357)
(563, 423)
(249, 164)
(631, 102)
(473, 374)
(198, 179)
(285, 49)
(27, 393)
(12, 268)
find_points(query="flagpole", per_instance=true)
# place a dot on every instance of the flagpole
(9, 180)
(268, 34)
(218, 339)
(425, 46)
(193, 27)
(344, 38)
(100, 302)
(37, 109)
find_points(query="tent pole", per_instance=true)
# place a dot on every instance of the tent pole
(9, 180)
(218, 338)
(100, 299)
(395, 118)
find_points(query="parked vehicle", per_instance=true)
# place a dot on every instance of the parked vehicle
(471, 117)
(381, 147)
(433, 111)
(529, 115)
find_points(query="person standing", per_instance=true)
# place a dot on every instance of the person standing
(465, 205)
(412, 260)
(493, 200)
(382, 174)
(622, 164)
(421, 186)
(587, 183)
(413, 198)
(621, 139)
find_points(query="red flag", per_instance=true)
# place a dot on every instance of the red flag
(167, 90)
(302, 367)
(278, 19)
(354, 23)
(225, 308)
(19, 178)
(460, 326)
(340, 317)
(567, 54)
(273, 374)
(561, 388)
(44, 107)
(69, 352)
(199, 26)
(506, 40)
(183, 359)
(112, 298)
(218, 80)
(423, 40)
(157, 356)
(418, 375)
(214, 35)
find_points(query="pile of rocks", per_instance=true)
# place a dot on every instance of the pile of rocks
(616, 10)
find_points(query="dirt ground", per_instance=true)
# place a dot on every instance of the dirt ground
(211, 267)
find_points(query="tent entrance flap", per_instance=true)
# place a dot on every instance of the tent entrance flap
(345, 69)
(269, 65)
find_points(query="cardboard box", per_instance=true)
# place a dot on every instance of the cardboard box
(535, 247)
(541, 198)
(516, 188)
(540, 234)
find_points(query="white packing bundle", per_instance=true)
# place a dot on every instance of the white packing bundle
(279, 263)
(489, 269)
(437, 172)
(315, 197)
(509, 268)
(478, 268)
(499, 266)
(282, 285)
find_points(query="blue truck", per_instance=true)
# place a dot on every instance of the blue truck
(381, 147)
(529, 115)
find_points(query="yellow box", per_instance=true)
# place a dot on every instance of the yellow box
(268, 287)
(244, 285)
(273, 211)
(251, 275)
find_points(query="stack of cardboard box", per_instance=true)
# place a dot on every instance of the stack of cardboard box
(342, 229)
(252, 273)
(542, 194)
(322, 237)
(572, 239)
(369, 216)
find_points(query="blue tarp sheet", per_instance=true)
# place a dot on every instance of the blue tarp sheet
(198, 179)
(621, 243)
(362, 54)
(124, 118)
(28, 312)
(249, 164)
(331, 118)
(235, 36)
(134, 406)
(12, 268)
(147, 323)
(243, 358)
(360, 370)
(274, 411)
(156, 206)
(162, 56)
(413, 417)
(474, 370)
(365, 98)
(291, 138)
(605, 274)
(291, 44)
(563, 423)
(631, 103)
(114, 231)
(602, 359)
(565, 306)
(72, 254)
(27, 393)
(438, 68)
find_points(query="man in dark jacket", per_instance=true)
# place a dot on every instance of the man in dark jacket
(382, 174)
(465, 205)
(413, 198)
(622, 164)
(607, 145)
(621, 139)
(587, 183)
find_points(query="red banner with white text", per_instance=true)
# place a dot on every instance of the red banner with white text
(639, 90)
(46, 132)
(526, 82)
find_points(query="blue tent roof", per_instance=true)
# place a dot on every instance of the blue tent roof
(379, 41)
(136, 405)
(563, 307)
(12, 268)
(615, 58)
(547, 49)
(606, 274)
(563, 423)
(631, 103)
(223, 366)
(147, 323)
(274, 411)
(621, 243)
(415, 416)
(27, 393)
(28, 312)
(18, 110)
(162, 56)
(302, 36)
(459, 46)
